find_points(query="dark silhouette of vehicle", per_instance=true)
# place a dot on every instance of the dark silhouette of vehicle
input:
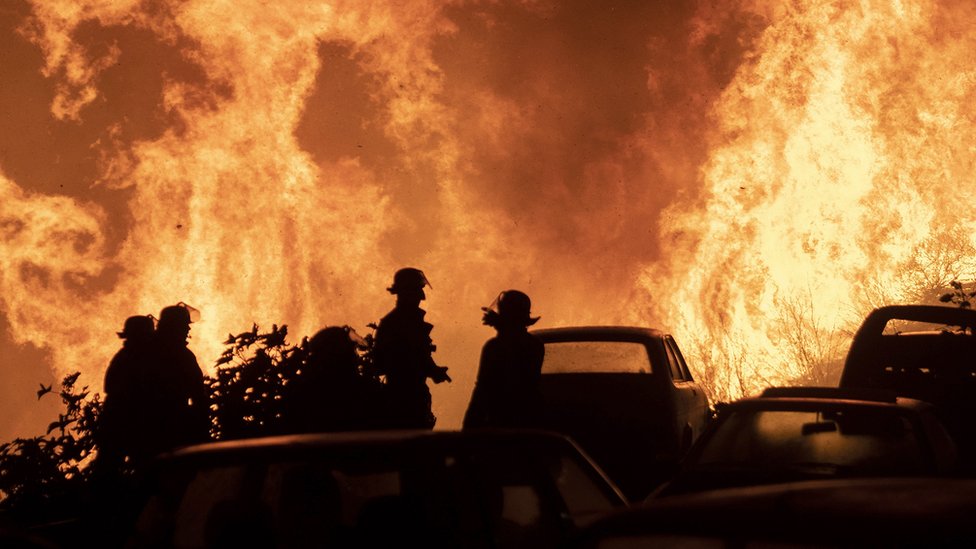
(889, 512)
(626, 396)
(16, 537)
(370, 489)
(804, 433)
(926, 352)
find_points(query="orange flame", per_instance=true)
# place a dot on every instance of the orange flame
(231, 215)
(297, 154)
(841, 157)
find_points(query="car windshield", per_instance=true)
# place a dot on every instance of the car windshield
(572, 357)
(877, 440)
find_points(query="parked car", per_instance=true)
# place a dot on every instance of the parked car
(626, 395)
(926, 352)
(804, 433)
(406, 488)
(889, 512)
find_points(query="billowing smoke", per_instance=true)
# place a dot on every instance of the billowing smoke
(688, 166)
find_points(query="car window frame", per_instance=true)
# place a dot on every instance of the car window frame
(676, 360)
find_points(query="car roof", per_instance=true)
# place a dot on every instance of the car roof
(933, 314)
(365, 445)
(276, 445)
(835, 510)
(597, 333)
(846, 393)
(813, 402)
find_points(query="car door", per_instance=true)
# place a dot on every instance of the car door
(691, 403)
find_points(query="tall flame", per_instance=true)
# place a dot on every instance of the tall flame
(753, 176)
(839, 182)
(229, 213)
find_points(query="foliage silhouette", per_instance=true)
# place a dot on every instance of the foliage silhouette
(959, 295)
(246, 395)
(249, 393)
(46, 476)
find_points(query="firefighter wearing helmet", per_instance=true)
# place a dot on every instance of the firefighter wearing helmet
(179, 395)
(507, 392)
(121, 427)
(155, 398)
(402, 353)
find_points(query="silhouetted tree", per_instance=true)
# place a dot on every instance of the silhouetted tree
(49, 476)
(815, 347)
(246, 393)
(45, 477)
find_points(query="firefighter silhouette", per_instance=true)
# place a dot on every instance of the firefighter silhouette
(180, 400)
(121, 431)
(402, 352)
(155, 398)
(507, 391)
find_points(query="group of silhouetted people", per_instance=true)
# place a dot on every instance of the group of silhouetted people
(156, 398)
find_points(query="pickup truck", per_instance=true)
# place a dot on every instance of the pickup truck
(626, 395)
(927, 352)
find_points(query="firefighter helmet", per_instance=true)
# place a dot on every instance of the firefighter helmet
(408, 279)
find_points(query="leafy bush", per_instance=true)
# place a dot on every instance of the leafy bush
(246, 395)
(959, 295)
(249, 393)
(50, 476)
(46, 476)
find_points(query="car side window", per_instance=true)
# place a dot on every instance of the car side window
(685, 373)
(220, 505)
(676, 374)
(584, 498)
(522, 507)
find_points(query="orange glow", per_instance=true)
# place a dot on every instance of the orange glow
(838, 182)
(754, 177)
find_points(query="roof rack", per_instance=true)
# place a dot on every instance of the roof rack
(847, 393)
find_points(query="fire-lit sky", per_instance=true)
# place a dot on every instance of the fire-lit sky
(753, 176)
